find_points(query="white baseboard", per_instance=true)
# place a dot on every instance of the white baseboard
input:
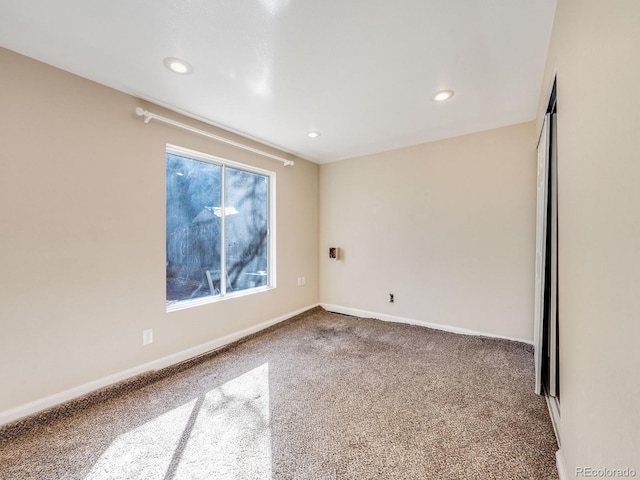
(562, 469)
(36, 406)
(392, 318)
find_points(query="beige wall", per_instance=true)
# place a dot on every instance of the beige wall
(82, 219)
(448, 227)
(594, 49)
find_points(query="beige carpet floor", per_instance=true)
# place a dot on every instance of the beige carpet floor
(321, 396)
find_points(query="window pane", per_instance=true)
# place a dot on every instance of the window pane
(247, 221)
(193, 228)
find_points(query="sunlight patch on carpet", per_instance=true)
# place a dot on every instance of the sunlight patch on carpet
(225, 435)
(146, 451)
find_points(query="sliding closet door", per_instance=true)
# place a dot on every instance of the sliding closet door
(541, 235)
(553, 277)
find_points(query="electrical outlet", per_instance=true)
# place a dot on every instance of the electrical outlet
(147, 336)
(391, 298)
(304, 282)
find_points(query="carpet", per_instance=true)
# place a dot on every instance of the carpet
(320, 396)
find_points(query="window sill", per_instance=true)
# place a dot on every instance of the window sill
(196, 302)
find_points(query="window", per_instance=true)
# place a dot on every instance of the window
(218, 228)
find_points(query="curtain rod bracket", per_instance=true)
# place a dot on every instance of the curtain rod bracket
(148, 116)
(143, 113)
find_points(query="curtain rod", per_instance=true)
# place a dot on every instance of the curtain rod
(148, 116)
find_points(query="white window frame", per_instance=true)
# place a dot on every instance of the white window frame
(271, 233)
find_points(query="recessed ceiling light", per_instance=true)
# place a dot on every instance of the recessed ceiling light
(443, 95)
(178, 65)
(313, 134)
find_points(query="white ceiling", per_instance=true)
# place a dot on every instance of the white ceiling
(362, 72)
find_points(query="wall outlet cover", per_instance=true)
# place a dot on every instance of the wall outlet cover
(147, 336)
